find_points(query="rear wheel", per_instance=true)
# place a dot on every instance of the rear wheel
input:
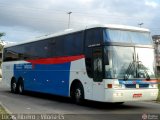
(13, 86)
(20, 86)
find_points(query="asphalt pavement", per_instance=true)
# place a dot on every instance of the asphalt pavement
(42, 104)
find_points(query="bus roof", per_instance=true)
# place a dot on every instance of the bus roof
(68, 31)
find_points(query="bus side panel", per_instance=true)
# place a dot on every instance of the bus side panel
(78, 72)
(45, 78)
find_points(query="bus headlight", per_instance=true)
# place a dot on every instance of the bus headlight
(115, 86)
(153, 86)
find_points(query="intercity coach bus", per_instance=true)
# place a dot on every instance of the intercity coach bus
(105, 63)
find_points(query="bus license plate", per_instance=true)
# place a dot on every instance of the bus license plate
(138, 95)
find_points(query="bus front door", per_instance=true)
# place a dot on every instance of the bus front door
(98, 87)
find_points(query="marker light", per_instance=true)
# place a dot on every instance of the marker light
(118, 94)
(109, 85)
(153, 93)
(114, 86)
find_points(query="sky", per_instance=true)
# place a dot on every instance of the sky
(23, 20)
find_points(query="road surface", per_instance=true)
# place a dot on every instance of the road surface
(34, 103)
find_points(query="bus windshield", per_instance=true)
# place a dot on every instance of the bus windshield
(136, 37)
(129, 62)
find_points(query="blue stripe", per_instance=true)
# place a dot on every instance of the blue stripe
(49, 78)
(134, 82)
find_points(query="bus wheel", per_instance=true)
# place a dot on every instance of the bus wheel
(118, 103)
(20, 86)
(13, 86)
(79, 94)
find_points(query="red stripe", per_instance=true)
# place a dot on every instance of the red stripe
(56, 60)
(152, 81)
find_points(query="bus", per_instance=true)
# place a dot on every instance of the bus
(105, 63)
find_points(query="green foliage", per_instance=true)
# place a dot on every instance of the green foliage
(2, 34)
(158, 99)
(4, 113)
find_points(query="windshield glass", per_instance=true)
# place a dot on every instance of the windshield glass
(136, 37)
(128, 62)
(145, 61)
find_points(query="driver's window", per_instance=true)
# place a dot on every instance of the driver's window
(97, 64)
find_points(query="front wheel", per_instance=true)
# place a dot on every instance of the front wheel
(78, 94)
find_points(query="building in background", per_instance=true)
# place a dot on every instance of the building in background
(156, 40)
(2, 43)
(1, 48)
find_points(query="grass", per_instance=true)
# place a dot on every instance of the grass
(158, 99)
(3, 114)
(2, 110)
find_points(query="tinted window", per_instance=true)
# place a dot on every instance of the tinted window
(73, 44)
(59, 46)
(13, 53)
(93, 37)
(123, 36)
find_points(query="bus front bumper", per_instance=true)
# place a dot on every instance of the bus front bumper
(123, 95)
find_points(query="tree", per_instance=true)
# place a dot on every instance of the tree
(1, 42)
(1, 48)
(2, 34)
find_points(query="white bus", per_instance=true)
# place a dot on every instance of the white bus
(106, 63)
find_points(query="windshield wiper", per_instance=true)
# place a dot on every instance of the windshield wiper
(129, 70)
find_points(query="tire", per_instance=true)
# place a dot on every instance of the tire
(118, 103)
(13, 86)
(78, 94)
(20, 87)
